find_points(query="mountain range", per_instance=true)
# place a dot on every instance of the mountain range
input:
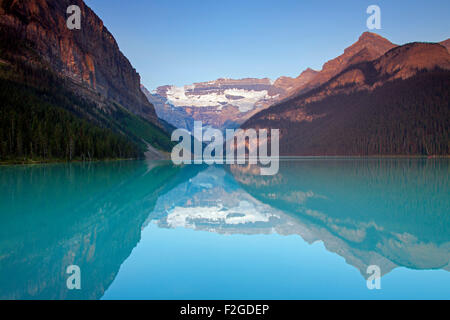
(377, 98)
(227, 103)
(223, 103)
(397, 104)
(73, 95)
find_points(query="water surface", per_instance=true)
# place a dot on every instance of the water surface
(151, 230)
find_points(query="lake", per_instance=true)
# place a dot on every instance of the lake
(152, 230)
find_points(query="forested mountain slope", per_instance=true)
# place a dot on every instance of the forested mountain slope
(397, 104)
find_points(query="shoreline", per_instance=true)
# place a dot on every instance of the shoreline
(57, 161)
(282, 158)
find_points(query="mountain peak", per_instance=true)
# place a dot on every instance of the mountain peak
(375, 44)
(308, 71)
(371, 36)
(369, 46)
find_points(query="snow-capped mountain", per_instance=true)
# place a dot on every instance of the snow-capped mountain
(223, 103)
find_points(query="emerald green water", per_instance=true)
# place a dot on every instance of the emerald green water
(151, 230)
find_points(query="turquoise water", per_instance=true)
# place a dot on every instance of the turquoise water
(151, 230)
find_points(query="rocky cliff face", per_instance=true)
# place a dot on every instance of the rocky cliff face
(290, 85)
(90, 57)
(368, 47)
(175, 116)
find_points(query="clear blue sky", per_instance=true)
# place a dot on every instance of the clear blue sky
(185, 41)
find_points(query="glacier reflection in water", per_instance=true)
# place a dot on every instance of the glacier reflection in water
(152, 230)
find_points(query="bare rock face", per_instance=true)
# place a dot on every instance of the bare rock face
(177, 117)
(446, 43)
(369, 46)
(292, 85)
(407, 60)
(400, 62)
(90, 57)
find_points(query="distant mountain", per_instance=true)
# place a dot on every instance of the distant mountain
(223, 103)
(175, 116)
(292, 85)
(227, 103)
(395, 104)
(81, 73)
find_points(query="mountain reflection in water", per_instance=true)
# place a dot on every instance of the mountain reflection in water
(386, 212)
(372, 212)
